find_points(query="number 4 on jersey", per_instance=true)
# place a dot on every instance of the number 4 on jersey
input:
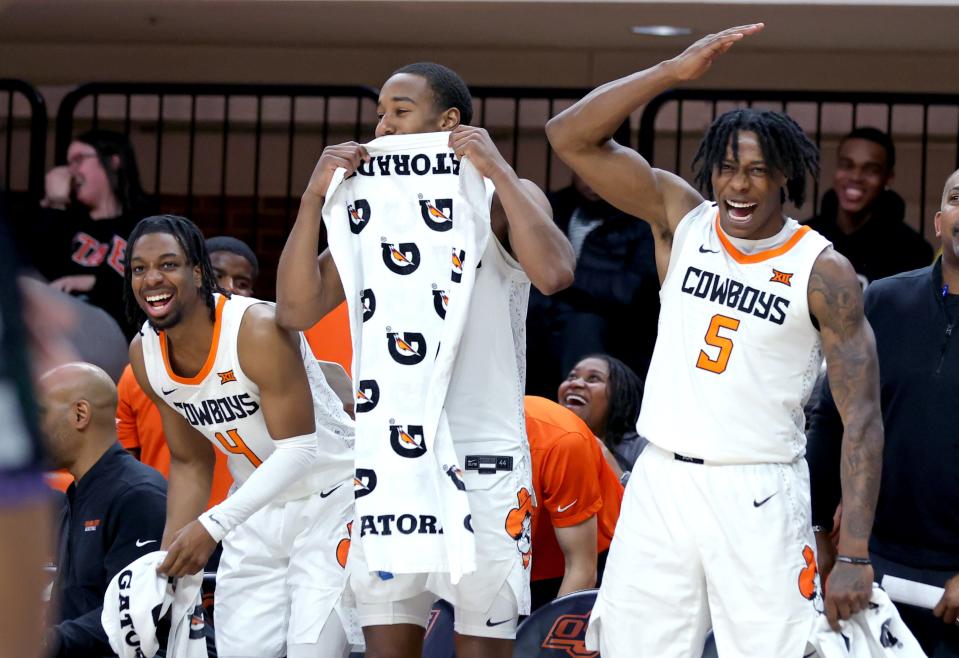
(714, 339)
(234, 444)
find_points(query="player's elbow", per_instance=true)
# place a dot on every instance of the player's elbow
(560, 134)
(555, 278)
(291, 315)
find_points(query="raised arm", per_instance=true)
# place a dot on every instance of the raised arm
(307, 287)
(191, 457)
(581, 136)
(835, 299)
(521, 216)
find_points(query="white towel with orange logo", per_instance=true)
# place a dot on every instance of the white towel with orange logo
(406, 232)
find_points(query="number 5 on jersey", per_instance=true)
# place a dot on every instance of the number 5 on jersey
(234, 444)
(714, 339)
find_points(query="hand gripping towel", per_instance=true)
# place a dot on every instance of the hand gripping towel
(875, 632)
(405, 232)
(138, 598)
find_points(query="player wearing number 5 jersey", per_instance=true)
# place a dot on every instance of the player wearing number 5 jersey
(715, 524)
(222, 372)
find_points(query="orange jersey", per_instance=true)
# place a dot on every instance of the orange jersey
(572, 481)
(330, 340)
(139, 428)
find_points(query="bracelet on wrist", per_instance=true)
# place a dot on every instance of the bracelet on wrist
(849, 559)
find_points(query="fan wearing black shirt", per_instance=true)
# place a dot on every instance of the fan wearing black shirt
(92, 203)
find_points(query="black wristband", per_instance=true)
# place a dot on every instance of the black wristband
(848, 559)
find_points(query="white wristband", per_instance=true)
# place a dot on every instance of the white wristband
(289, 462)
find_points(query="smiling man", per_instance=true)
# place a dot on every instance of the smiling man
(865, 219)
(715, 526)
(221, 371)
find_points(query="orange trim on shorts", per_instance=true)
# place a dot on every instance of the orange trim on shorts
(210, 357)
(759, 256)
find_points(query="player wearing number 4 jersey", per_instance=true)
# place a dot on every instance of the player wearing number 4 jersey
(221, 371)
(714, 528)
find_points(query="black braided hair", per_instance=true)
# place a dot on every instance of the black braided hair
(784, 145)
(624, 392)
(447, 86)
(190, 238)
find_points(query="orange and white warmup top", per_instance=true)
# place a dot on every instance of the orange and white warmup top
(223, 404)
(737, 353)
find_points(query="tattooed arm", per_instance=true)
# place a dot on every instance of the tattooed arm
(835, 299)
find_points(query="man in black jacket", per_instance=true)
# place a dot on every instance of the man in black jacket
(862, 217)
(916, 531)
(114, 511)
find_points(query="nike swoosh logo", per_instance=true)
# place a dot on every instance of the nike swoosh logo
(491, 623)
(763, 501)
(324, 494)
(563, 508)
(141, 544)
(704, 250)
(166, 392)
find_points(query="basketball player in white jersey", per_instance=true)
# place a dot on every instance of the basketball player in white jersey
(485, 397)
(715, 525)
(224, 374)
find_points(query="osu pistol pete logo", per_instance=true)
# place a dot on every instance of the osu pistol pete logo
(367, 395)
(441, 302)
(408, 349)
(364, 482)
(359, 212)
(407, 442)
(438, 214)
(402, 258)
(368, 300)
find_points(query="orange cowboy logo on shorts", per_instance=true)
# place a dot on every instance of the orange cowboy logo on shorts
(807, 576)
(519, 524)
(343, 548)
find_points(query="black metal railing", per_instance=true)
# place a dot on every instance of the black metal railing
(916, 122)
(225, 140)
(27, 115)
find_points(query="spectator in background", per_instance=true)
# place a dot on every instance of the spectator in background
(862, 217)
(114, 511)
(91, 205)
(613, 304)
(607, 395)
(234, 264)
(578, 498)
(916, 531)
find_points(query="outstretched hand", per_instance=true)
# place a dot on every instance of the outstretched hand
(696, 60)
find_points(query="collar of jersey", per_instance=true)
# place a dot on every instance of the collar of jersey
(759, 256)
(210, 357)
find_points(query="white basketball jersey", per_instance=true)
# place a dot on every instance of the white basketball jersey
(223, 404)
(485, 397)
(737, 353)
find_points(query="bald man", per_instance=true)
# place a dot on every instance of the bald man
(115, 509)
